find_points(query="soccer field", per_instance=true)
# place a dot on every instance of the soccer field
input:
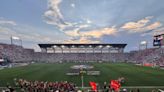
(134, 75)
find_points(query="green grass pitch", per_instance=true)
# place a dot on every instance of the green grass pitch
(134, 75)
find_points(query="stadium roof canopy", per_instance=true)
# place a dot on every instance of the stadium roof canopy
(82, 45)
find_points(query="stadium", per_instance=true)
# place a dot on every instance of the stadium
(100, 63)
(81, 46)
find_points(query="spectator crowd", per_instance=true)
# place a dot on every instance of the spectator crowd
(40, 86)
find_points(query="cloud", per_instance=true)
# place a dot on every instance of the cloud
(142, 25)
(81, 31)
(100, 32)
(158, 31)
(82, 40)
(7, 22)
(153, 26)
(75, 31)
(29, 34)
(54, 16)
(153, 29)
(97, 33)
(8, 32)
(136, 25)
(89, 21)
(54, 9)
(91, 36)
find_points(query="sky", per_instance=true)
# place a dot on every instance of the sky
(81, 21)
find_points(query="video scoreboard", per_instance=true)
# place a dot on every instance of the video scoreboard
(158, 40)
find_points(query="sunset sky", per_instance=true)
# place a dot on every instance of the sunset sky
(81, 21)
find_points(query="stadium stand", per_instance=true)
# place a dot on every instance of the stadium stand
(74, 57)
(18, 54)
(152, 55)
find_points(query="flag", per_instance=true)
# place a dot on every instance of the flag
(94, 86)
(115, 85)
(15, 37)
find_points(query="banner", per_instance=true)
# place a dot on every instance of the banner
(148, 64)
(115, 85)
(94, 86)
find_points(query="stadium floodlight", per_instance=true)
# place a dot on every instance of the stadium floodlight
(100, 46)
(143, 42)
(82, 46)
(73, 46)
(62, 46)
(90, 46)
(108, 46)
(143, 45)
(54, 46)
(16, 38)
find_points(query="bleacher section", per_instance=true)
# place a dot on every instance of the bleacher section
(16, 53)
(152, 55)
(79, 57)
(19, 54)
